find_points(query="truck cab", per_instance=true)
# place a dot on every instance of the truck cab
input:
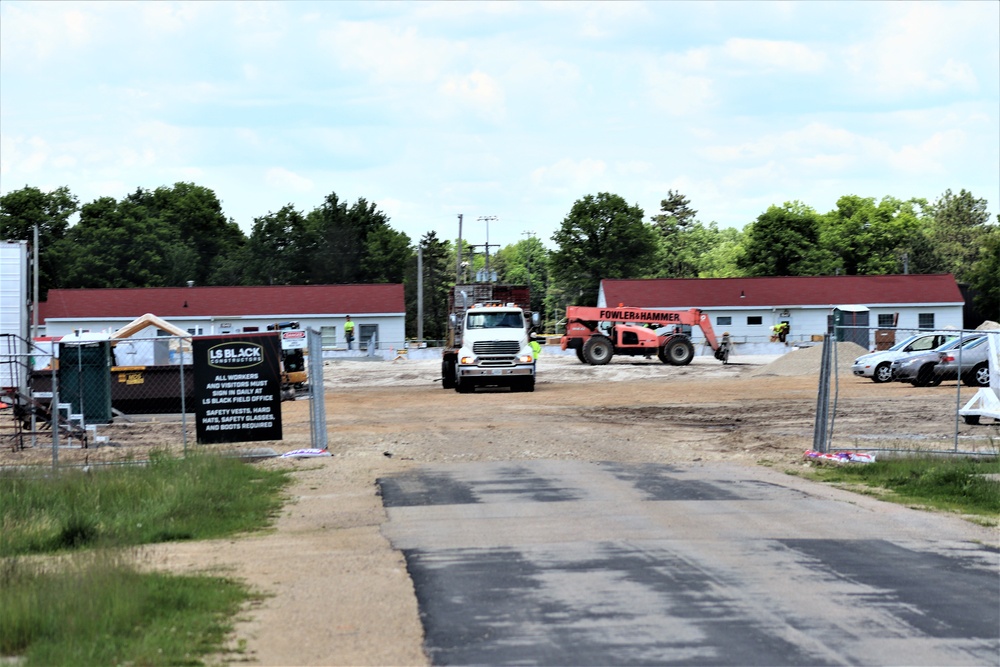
(491, 348)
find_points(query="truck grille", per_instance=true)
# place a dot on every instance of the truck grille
(497, 347)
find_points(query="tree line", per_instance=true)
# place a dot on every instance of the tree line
(172, 235)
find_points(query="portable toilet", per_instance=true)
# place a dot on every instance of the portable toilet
(850, 323)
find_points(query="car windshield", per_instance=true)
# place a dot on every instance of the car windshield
(495, 320)
(903, 343)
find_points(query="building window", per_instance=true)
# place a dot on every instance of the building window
(925, 320)
(723, 320)
(753, 320)
(329, 336)
(195, 331)
(885, 321)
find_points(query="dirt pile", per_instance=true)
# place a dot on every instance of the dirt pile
(806, 360)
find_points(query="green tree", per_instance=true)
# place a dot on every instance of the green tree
(677, 255)
(984, 274)
(276, 250)
(195, 213)
(354, 244)
(721, 257)
(601, 237)
(439, 275)
(784, 241)
(960, 223)
(21, 210)
(116, 244)
(869, 238)
(525, 263)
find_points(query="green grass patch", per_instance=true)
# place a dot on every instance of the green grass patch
(198, 497)
(69, 591)
(946, 483)
(95, 608)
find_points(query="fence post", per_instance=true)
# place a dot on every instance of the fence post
(184, 431)
(822, 399)
(317, 404)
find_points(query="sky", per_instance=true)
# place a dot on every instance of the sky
(506, 113)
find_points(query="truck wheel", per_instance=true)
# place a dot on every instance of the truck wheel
(465, 387)
(524, 384)
(448, 373)
(579, 355)
(678, 351)
(598, 351)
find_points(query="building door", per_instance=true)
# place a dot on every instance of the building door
(366, 331)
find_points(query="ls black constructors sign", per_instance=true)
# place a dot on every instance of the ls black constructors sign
(237, 387)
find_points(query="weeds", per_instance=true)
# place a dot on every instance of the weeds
(954, 484)
(88, 604)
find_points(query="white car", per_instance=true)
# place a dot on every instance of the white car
(878, 365)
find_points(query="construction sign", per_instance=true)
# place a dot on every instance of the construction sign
(237, 387)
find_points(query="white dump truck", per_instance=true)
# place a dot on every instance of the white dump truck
(489, 338)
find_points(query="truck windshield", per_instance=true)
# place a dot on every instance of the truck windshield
(495, 320)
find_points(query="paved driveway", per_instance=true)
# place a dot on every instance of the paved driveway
(574, 563)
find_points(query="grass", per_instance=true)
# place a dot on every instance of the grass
(78, 597)
(198, 497)
(950, 484)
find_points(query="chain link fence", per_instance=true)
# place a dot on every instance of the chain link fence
(87, 402)
(958, 369)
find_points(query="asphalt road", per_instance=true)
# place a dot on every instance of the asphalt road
(575, 563)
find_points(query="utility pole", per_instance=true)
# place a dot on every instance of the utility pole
(487, 218)
(420, 293)
(458, 253)
(527, 257)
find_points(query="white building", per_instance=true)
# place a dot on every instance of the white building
(377, 310)
(747, 308)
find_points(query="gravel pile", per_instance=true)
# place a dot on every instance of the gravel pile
(806, 360)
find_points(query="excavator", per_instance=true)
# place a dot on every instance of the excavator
(293, 365)
(597, 334)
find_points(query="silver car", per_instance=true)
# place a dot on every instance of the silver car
(920, 370)
(878, 365)
(975, 369)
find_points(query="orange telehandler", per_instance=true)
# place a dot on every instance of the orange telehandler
(597, 334)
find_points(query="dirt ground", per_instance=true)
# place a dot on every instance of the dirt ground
(337, 594)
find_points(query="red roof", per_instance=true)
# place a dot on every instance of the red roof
(176, 302)
(782, 291)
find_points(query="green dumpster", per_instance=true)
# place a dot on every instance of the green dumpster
(85, 379)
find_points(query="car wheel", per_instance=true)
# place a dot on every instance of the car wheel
(925, 376)
(980, 375)
(882, 373)
(598, 351)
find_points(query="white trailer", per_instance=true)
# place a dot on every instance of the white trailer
(13, 315)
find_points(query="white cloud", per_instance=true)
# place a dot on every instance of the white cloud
(568, 175)
(679, 94)
(915, 52)
(478, 91)
(281, 178)
(771, 54)
(388, 53)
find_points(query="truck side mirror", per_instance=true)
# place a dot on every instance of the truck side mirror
(535, 319)
(453, 318)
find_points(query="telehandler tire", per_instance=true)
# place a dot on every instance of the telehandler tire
(579, 355)
(598, 351)
(677, 351)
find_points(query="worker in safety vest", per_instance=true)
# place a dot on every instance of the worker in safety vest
(349, 331)
(536, 347)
